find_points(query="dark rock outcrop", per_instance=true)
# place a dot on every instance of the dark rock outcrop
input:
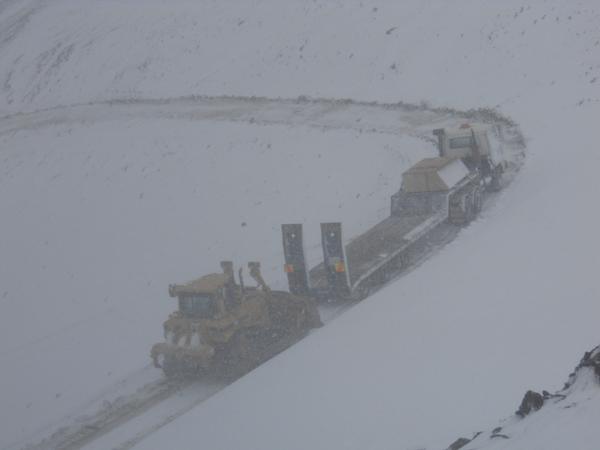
(532, 401)
(590, 359)
(459, 443)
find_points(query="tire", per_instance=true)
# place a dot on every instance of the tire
(477, 201)
(496, 181)
(404, 260)
(468, 212)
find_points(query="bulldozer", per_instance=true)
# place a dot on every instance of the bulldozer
(225, 329)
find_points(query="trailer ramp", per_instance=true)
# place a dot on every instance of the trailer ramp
(380, 247)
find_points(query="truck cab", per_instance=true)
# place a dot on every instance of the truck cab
(472, 144)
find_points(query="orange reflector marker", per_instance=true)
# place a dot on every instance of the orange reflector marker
(288, 268)
(339, 267)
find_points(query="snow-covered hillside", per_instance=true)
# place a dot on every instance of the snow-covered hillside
(100, 211)
(69, 51)
(565, 419)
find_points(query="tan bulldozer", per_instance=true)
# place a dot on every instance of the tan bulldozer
(224, 329)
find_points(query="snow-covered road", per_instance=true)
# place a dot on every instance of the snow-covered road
(320, 113)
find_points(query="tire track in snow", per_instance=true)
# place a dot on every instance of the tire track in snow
(324, 113)
(15, 23)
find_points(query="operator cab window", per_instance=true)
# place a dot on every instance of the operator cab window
(461, 142)
(202, 306)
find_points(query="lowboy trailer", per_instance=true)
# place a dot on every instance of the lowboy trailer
(445, 190)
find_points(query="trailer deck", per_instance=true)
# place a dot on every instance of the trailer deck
(379, 245)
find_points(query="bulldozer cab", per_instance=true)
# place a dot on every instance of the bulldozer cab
(208, 297)
(226, 327)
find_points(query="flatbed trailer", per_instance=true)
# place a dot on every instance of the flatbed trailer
(383, 250)
(437, 197)
(380, 252)
(389, 247)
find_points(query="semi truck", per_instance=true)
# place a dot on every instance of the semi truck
(443, 191)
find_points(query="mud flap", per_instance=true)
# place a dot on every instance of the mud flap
(295, 263)
(334, 259)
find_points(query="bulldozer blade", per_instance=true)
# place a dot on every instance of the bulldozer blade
(295, 263)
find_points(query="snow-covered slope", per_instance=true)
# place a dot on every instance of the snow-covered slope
(97, 216)
(565, 419)
(66, 51)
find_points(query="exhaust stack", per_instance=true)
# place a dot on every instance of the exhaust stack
(227, 267)
(254, 269)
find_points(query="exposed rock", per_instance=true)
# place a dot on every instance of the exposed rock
(459, 443)
(547, 395)
(590, 359)
(532, 401)
(503, 436)
(496, 434)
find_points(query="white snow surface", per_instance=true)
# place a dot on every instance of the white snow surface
(98, 216)
(567, 419)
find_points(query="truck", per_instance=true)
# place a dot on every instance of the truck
(472, 144)
(438, 194)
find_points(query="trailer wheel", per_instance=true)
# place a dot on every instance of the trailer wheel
(404, 260)
(496, 181)
(363, 291)
(468, 208)
(477, 201)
